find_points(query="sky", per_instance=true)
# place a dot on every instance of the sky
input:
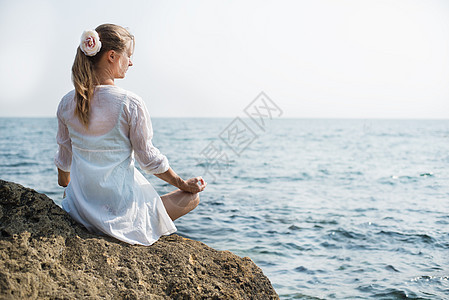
(314, 59)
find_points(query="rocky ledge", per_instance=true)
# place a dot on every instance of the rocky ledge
(45, 254)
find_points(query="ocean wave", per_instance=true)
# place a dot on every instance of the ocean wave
(19, 164)
(408, 237)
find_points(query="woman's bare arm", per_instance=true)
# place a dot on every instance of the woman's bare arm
(63, 178)
(190, 185)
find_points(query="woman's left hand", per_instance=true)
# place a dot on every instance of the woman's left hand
(194, 185)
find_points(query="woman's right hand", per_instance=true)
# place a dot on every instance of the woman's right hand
(194, 185)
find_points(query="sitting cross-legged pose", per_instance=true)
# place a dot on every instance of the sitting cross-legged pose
(101, 129)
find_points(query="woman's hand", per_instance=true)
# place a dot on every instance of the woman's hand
(194, 185)
(63, 178)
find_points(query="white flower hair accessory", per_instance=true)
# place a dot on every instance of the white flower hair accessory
(90, 42)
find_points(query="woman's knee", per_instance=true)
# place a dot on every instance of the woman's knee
(196, 200)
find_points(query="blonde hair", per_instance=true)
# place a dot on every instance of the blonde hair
(112, 37)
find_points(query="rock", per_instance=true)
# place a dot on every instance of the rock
(45, 254)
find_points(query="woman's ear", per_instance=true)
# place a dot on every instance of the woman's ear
(111, 55)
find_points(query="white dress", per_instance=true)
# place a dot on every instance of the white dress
(107, 194)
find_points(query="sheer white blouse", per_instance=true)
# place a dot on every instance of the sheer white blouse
(106, 105)
(107, 194)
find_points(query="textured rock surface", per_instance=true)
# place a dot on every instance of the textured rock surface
(45, 254)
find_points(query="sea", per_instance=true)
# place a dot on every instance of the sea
(327, 208)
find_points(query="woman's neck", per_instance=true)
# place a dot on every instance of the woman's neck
(106, 82)
(104, 77)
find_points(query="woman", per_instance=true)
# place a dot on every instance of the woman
(101, 128)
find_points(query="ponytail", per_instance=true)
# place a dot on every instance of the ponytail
(112, 37)
(84, 82)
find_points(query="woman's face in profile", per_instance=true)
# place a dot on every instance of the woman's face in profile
(124, 61)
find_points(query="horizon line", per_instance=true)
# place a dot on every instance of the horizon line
(246, 117)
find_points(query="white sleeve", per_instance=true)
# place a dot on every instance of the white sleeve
(150, 159)
(63, 156)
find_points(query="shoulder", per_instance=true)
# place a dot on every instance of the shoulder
(133, 102)
(66, 101)
(134, 108)
(67, 98)
(120, 94)
(134, 99)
